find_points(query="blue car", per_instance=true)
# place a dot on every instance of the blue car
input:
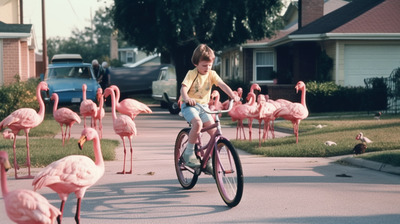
(66, 79)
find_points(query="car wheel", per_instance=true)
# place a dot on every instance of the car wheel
(164, 104)
(174, 108)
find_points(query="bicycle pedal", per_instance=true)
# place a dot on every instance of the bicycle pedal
(197, 170)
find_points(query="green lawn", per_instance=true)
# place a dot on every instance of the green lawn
(44, 148)
(337, 128)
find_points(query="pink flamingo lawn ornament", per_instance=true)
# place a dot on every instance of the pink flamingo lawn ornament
(63, 116)
(239, 93)
(239, 114)
(243, 111)
(25, 206)
(265, 113)
(123, 125)
(87, 108)
(362, 138)
(73, 174)
(295, 112)
(214, 103)
(25, 119)
(253, 112)
(100, 111)
(7, 134)
(269, 118)
(129, 107)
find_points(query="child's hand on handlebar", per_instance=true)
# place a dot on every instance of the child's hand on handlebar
(190, 101)
(236, 98)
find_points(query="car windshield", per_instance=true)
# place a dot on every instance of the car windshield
(70, 72)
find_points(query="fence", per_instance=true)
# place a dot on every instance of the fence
(391, 85)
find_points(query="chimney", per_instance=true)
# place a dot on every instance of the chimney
(310, 10)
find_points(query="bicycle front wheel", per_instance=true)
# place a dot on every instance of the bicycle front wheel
(228, 173)
(186, 177)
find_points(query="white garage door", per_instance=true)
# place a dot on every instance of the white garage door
(367, 61)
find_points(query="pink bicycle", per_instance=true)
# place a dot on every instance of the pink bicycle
(226, 167)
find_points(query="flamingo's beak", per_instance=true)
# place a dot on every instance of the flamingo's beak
(81, 141)
(7, 165)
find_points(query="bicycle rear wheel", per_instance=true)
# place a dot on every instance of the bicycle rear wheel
(186, 177)
(228, 172)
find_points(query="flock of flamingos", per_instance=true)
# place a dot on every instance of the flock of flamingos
(76, 173)
(264, 109)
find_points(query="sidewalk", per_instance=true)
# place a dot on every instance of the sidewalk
(228, 131)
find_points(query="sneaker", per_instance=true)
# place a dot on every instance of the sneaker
(209, 167)
(191, 160)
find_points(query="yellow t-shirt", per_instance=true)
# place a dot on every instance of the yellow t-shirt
(200, 90)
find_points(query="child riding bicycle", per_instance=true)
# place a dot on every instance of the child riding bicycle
(196, 88)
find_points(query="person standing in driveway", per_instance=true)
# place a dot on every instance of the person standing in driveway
(97, 70)
(106, 80)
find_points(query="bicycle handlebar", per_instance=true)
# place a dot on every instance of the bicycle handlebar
(208, 111)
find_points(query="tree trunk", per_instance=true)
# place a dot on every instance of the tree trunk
(181, 58)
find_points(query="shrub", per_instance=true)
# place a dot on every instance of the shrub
(18, 95)
(329, 97)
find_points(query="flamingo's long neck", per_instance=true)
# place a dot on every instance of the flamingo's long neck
(3, 176)
(117, 95)
(216, 100)
(84, 93)
(41, 103)
(252, 99)
(303, 97)
(114, 114)
(98, 156)
(101, 103)
(55, 104)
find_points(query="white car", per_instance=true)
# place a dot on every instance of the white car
(164, 89)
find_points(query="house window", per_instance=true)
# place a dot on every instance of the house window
(227, 67)
(235, 65)
(264, 66)
(129, 57)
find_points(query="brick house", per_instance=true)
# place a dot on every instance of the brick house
(17, 45)
(361, 37)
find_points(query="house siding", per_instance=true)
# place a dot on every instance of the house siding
(24, 60)
(32, 64)
(11, 60)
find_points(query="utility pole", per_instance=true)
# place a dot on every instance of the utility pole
(44, 53)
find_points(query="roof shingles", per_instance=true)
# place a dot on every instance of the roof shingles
(384, 18)
(15, 28)
(340, 17)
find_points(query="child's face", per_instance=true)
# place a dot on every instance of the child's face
(204, 67)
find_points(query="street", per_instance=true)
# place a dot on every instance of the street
(276, 190)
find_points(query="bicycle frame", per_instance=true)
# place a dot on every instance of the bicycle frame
(205, 152)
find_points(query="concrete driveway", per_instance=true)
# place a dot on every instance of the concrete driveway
(276, 190)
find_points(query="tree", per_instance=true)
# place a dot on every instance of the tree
(176, 27)
(90, 42)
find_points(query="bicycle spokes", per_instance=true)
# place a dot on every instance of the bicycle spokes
(228, 172)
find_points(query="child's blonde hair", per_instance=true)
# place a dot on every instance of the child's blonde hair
(202, 53)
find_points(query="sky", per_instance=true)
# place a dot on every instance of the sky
(62, 16)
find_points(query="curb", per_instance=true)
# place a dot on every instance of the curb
(372, 165)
